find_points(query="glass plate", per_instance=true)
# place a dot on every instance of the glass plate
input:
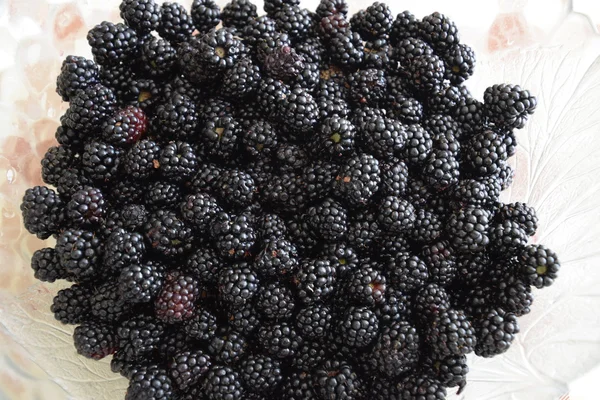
(542, 45)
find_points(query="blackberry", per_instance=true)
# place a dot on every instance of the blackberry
(177, 118)
(484, 152)
(407, 272)
(260, 139)
(460, 62)
(314, 321)
(358, 327)
(507, 238)
(377, 22)
(472, 268)
(396, 351)
(508, 106)
(86, 207)
(295, 21)
(221, 137)
(118, 79)
(310, 355)
(206, 15)
(244, 319)
(441, 170)
(237, 284)
(396, 307)
(311, 50)
(139, 336)
(79, 253)
(143, 93)
(141, 15)
(202, 325)
(275, 302)
(258, 28)
(69, 137)
(430, 301)
(396, 215)
(358, 179)
(505, 175)
(378, 54)
(227, 347)
(439, 31)
(199, 210)
(451, 333)
(72, 305)
(404, 26)
(41, 209)
(279, 340)
(112, 43)
(409, 49)
(238, 13)
(286, 193)
(278, 258)
(241, 80)
(538, 265)
(70, 182)
(167, 234)
(152, 383)
(204, 265)
(336, 379)
(175, 23)
(290, 157)
(158, 57)
(427, 226)
(89, 108)
(131, 217)
(383, 137)
(162, 194)
(299, 111)
(315, 280)
(107, 304)
(234, 236)
(346, 49)
(178, 161)
(387, 245)
(188, 367)
(418, 145)
(271, 95)
(141, 283)
(495, 331)
(479, 192)
(468, 228)
(127, 191)
(445, 101)
(317, 179)
(122, 249)
(423, 387)
(101, 161)
(236, 188)
(261, 374)
(342, 257)
(223, 383)
(283, 63)
(328, 220)
(173, 342)
(270, 227)
(450, 371)
(514, 296)
(298, 386)
(328, 8)
(520, 213)
(127, 126)
(366, 286)
(427, 73)
(469, 113)
(409, 110)
(76, 73)
(441, 262)
(46, 265)
(175, 302)
(510, 141)
(94, 340)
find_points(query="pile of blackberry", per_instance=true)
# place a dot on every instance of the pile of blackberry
(300, 205)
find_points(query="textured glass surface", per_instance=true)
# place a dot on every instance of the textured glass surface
(541, 44)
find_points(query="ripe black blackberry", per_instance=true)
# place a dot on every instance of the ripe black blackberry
(388, 244)
(236, 188)
(163, 194)
(79, 253)
(223, 383)
(158, 57)
(113, 43)
(295, 21)
(479, 192)
(126, 127)
(86, 207)
(439, 31)
(178, 161)
(342, 257)
(396, 215)
(315, 280)
(271, 95)
(152, 383)
(444, 102)
(237, 13)
(72, 305)
(396, 307)
(286, 193)
(220, 136)
(138, 336)
(71, 181)
(290, 157)
(100, 161)
(450, 371)
(95, 340)
(328, 220)
(495, 331)
(407, 50)
(272, 6)
(346, 49)
(275, 301)
(430, 301)
(261, 374)
(141, 283)
(440, 259)
(141, 15)
(227, 347)
(383, 137)
(279, 340)
(367, 86)
(366, 285)
(46, 265)
(441, 169)
(175, 23)
(283, 63)
(520, 213)
(117, 78)
(396, 351)
(175, 302)
(418, 144)
(299, 111)
(258, 28)
(177, 118)
(358, 327)
(327, 8)
(241, 80)
(202, 325)
(404, 26)
(421, 387)
(508, 106)
(42, 211)
(174, 341)
(507, 238)
(199, 210)
(514, 296)
(278, 258)
(260, 139)
(376, 22)
(378, 54)
(167, 234)
(238, 284)
(206, 15)
(89, 108)
(69, 137)
(406, 108)
(460, 63)
(469, 113)
(336, 379)
(107, 304)
(314, 321)
(298, 386)
(468, 228)
(358, 179)
(451, 333)
(244, 319)
(122, 249)
(427, 226)
(126, 191)
(427, 73)
(203, 264)
(76, 73)
(234, 236)
(472, 268)
(538, 265)
(406, 272)
(188, 367)
(484, 152)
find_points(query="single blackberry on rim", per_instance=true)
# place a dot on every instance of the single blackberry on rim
(427, 226)
(72, 305)
(507, 238)
(367, 86)
(495, 331)
(258, 28)
(237, 13)
(336, 379)
(520, 213)
(299, 111)
(260, 139)
(460, 62)
(418, 145)
(206, 15)
(175, 302)
(107, 304)
(238, 284)
(406, 272)
(199, 209)
(508, 106)
(427, 73)
(430, 301)
(358, 179)
(241, 80)
(220, 136)
(167, 234)
(158, 57)
(514, 296)
(89, 108)
(139, 336)
(112, 43)
(188, 367)
(86, 207)
(346, 49)
(315, 280)
(328, 220)
(202, 325)
(538, 265)
(451, 333)
(279, 340)
(468, 228)
(76, 73)
(178, 161)
(261, 374)
(314, 321)
(175, 23)
(122, 249)
(100, 161)
(234, 236)
(223, 383)
(163, 194)
(439, 31)
(376, 22)
(275, 301)
(227, 347)
(42, 211)
(236, 188)
(404, 26)
(176, 117)
(327, 8)
(95, 340)
(46, 265)
(484, 152)
(480, 192)
(295, 21)
(396, 215)
(421, 387)
(278, 258)
(79, 253)
(141, 283)
(152, 383)
(126, 127)
(396, 351)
